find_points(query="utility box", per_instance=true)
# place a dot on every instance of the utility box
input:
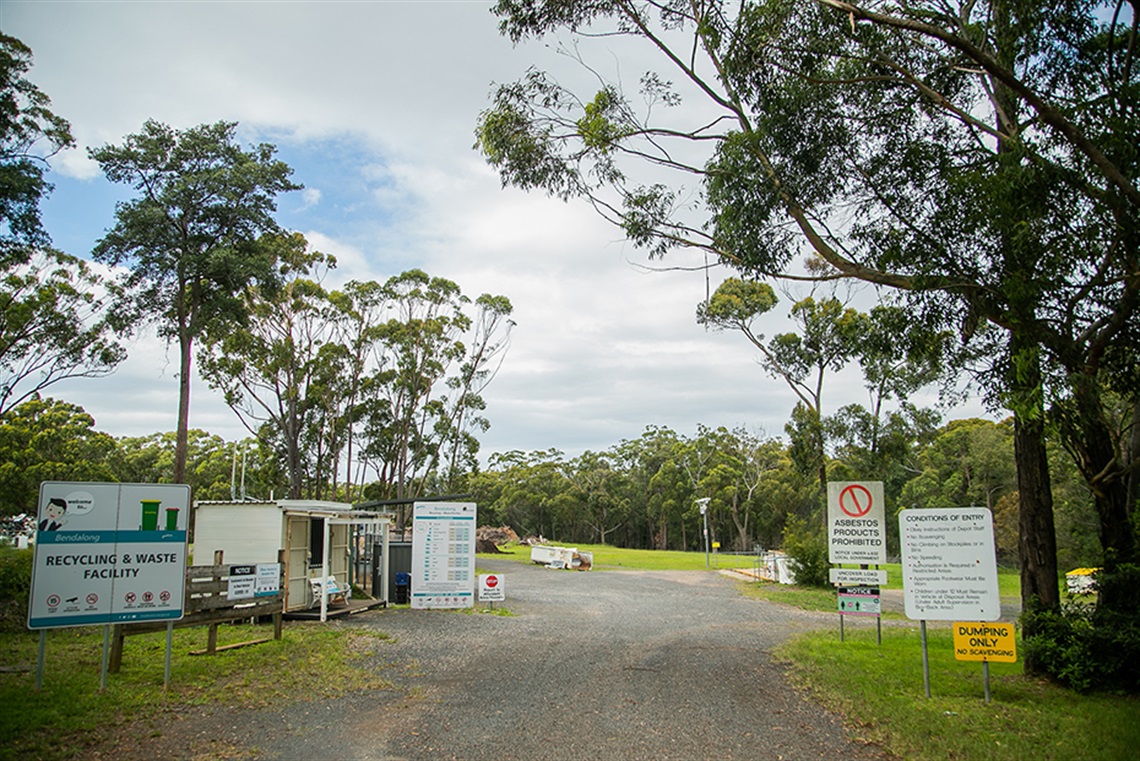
(399, 562)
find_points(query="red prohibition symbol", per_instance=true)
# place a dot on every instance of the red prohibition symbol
(492, 581)
(855, 500)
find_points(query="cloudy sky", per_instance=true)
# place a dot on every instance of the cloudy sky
(374, 105)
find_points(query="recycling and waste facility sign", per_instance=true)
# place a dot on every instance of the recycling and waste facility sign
(108, 553)
(985, 641)
(856, 522)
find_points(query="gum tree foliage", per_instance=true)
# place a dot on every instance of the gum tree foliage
(189, 238)
(979, 157)
(277, 370)
(824, 341)
(422, 398)
(396, 369)
(30, 134)
(53, 324)
(44, 439)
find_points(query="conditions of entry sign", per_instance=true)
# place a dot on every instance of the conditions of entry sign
(949, 566)
(856, 522)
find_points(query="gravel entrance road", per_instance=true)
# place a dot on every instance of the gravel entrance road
(598, 665)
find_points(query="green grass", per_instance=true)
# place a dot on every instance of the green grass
(69, 717)
(880, 692)
(612, 558)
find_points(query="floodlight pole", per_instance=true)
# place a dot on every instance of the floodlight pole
(703, 503)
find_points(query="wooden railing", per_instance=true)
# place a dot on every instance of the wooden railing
(206, 604)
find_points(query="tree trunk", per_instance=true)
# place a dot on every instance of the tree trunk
(1090, 438)
(182, 438)
(1037, 542)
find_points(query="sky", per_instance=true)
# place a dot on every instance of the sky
(374, 105)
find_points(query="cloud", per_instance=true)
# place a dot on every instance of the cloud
(374, 106)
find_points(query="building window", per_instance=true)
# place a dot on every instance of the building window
(316, 542)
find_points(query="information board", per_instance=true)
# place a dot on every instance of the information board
(856, 522)
(949, 566)
(108, 553)
(443, 555)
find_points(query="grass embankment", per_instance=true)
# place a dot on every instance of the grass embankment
(880, 692)
(70, 717)
(879, 689)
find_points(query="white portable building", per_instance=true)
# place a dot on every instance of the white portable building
(313, 537)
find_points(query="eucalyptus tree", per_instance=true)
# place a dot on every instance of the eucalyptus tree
(44, 439)
(189, 238)
(53, 321)
(421, 396)
(30, 134)
(977, 156)
(55, 324)
(826, 337)
(280, 365)
(531, 492)
(596, 485)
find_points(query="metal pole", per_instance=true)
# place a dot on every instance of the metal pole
(925, 660)
(40, 661)
(703, 503)
(106, 654)
(986, 673)
(169, 647)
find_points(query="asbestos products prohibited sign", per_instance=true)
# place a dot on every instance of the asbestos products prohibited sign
(993, 642)
(856, 522)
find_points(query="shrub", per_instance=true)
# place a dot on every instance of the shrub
(807, 550)
(1091, 647)
(15, 584)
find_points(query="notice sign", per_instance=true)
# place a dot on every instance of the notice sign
(108, 553)
(856, 522)
(859, 601)
(949, 566)
(242, 580)
(260, 580)
(443, 555)
(268, 581)
(993, 642)
(491, 588)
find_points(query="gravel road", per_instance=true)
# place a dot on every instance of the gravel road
(602, 665)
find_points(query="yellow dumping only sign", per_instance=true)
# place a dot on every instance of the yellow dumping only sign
(991, 642)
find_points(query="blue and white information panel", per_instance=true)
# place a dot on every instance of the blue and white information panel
(109, 553)
(443, 555)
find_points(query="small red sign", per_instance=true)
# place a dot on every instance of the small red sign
(855, 500)
(492, 581)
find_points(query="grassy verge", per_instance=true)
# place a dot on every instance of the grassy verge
(70, 716)
(880, 691)
(615, 558)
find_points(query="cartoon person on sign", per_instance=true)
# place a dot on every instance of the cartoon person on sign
(53, 513)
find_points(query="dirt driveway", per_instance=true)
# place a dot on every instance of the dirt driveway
(598, 665)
